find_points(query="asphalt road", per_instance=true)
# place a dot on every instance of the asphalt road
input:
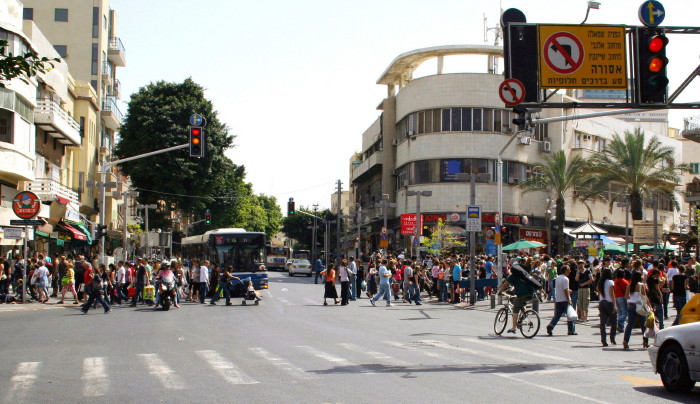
(292, 349)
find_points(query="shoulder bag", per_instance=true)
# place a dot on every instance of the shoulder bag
(643, 306)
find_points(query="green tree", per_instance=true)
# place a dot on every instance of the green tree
(296, 226)
(443, 240)
(558, 176)
(158, 117)
(17, 66)
(642, 168)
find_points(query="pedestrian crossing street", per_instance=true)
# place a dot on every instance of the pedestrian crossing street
(295, 363)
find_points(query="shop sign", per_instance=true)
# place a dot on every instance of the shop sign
(534, 235)
(408, 223)
(507, 219)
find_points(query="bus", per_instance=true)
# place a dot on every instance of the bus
(302, 255)
(244, 251)
(277, 257)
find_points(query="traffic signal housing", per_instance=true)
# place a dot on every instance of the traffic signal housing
(197, 141)
(207, 217)
(290, 207)
(652, 79)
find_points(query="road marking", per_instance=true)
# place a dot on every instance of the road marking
(552, 389)
(381, 357)
(285, 301)
(280, 363)
(421, 351)
(268, 292)
(641, 381)
(518, 350)
(95, 380)
(23, 380)
(334, 359)
(439, 344)
(230, 372)
(162, 372)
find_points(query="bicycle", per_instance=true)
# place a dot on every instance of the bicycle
(528, 320)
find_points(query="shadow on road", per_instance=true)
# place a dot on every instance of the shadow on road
(660, 392)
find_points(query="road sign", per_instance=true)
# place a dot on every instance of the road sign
(196, 120)
(582, 56)
(473, 219)
(511, 91)
(26, 205)
(643, 232)
(12, 233)
(26, 222)
(651, 13)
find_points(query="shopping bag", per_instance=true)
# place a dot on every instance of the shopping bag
(643, 307)
(363, 286)
(149, 293)
(651, 331)
(571, 314)
(131, 292)
(651, 319)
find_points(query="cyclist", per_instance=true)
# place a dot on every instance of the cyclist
(523, 293)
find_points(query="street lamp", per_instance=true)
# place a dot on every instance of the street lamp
(548, 224)
(626, 205)
(419, 223)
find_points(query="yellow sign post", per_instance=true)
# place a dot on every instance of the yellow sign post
(582, 56)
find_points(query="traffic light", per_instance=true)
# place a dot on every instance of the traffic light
(290, 207)
(101, 231)
(197, 141)
(207, 216)
(651, 65)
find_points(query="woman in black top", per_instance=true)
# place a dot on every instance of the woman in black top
(678, 287)
(655, 296)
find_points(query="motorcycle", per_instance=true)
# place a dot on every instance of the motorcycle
(167, 294)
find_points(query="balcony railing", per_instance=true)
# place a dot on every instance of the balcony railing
(47, 189)
(107, 69)
(366, 165)
(116, 88)
(115, 43)
(116, 52)
(113, 116)
(56, 121)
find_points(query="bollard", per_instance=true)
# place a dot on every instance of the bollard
(536, 304)
(500, 299)
(493, 301)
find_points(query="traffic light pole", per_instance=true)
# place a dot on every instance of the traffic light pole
(106, 166)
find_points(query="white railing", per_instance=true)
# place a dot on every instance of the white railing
(47, 188)
(48, 111)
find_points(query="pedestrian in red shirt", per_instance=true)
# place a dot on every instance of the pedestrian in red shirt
(620, 286)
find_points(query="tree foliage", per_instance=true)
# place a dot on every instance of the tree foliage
(158, 118)
(443, 239)
(296, 226)
(18, 66)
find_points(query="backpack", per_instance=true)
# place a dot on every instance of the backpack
(521, 273)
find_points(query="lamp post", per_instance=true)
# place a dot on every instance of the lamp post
(147, 208)
(548, 224)
(626, 204)
(419, 223)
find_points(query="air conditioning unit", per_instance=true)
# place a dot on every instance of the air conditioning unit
(524, 140)
(395, 142)
(546, 147)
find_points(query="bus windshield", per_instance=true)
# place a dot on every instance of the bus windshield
(241, 251)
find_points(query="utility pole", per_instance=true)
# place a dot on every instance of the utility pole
(384, 204)
(147, 207)
(313, 235)
(359, 223)
(472, 235)
(125, 232)
(419, 224)
(337, 234)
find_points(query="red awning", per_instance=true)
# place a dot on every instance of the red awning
(76, 233)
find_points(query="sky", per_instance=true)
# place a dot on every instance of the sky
(295, 81)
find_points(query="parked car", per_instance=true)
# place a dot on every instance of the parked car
(299, 266)
(691, 310)
(675, 356)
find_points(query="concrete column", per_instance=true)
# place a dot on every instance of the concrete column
(389, 151)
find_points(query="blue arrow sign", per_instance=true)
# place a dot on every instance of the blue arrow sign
(651, 13)
(196, 120)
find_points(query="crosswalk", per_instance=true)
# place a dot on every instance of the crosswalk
(260, 365)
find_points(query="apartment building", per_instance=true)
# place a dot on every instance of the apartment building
(434, 127)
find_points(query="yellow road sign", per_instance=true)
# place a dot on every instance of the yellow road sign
(582, 56)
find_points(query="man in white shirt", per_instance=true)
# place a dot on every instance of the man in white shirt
(120, 287)
(352, 273)
(562, 300)
(203, 281)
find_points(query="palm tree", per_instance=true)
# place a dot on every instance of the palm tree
(642, 168)
(557, 176)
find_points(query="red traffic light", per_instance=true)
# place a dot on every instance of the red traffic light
(657, 43)
(196, 131)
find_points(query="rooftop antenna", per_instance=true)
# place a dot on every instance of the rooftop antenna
(493, 61)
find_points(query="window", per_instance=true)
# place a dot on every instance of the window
(497, 120)
(466, 119)
(456, 119)
(82, 126)
(695, 168)
(477, 119)
(450, 167)
(95, 55)
(420, 172)
(6, 126)
(62, 50)
(61, 15)
(95, 22)
(488, 120)
(28, 14)
(436, 120)
(421, 122)
(445, 120)
(93, 84)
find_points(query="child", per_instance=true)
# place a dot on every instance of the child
(252, 291)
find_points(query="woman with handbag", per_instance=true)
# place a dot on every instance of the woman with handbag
(655, 282)
(69, 285)
(607, 305)
(635, 295)
(329, 291)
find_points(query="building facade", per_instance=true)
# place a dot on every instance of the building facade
(432, 128)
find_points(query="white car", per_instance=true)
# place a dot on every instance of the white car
(675, 355)
(296, 266)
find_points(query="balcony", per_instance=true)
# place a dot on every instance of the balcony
(116, 52)
(370, 165)
(116, 89)
(48, 189)
(111, 114)
(50, 117)
(106, 72)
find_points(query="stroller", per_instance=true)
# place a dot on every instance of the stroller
(243, 288)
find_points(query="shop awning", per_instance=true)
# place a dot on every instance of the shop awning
(77, 235)
(82, 228)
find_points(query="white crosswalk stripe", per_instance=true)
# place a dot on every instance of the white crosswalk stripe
(230, 372)
(283, 364)
(518, 350)
(160, 370)
(23, 380)
(95, 380)
(379, 356)
(443, 345)
(421, 351)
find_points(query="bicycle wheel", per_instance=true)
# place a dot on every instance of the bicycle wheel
(529, 323)
(499, 325)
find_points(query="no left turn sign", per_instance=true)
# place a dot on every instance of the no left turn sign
(563, 52)
(511, 91)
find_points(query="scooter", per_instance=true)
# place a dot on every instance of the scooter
(167, 294)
